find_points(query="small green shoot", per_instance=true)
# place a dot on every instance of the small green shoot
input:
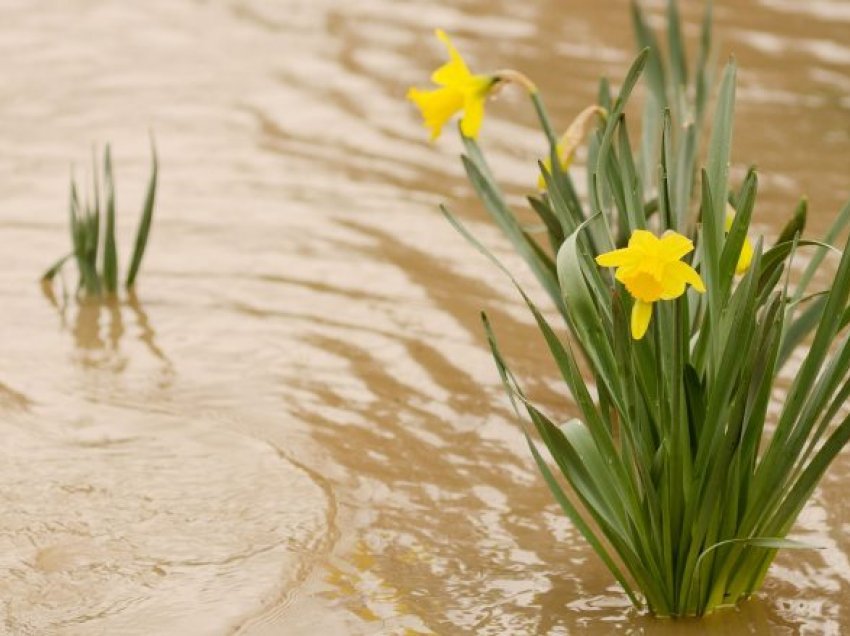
(94, 251)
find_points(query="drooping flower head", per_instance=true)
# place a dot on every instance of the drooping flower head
(457, 90)
(570, 141)
(651, 270)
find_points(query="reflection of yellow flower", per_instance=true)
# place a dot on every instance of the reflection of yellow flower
(746, 256)
(651, 269)
(459, 90)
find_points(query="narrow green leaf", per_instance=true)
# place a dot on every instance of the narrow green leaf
(678, 58)
(703, 68)
(602, 161)
(737, 233)
(632, 189)
(799, 494)
(110, 255)
(604, 94)
(719, 157)
(505, 219)
(50, 274)
(646, 41)
(553, 227)
(143, 231)
(835, 230)
(796, 225)
(566, 505)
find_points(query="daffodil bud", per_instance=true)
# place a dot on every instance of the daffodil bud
(746, 255)
(571, 140)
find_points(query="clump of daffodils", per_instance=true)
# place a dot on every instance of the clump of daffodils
(683, 322)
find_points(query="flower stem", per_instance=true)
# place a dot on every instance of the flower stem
(515, 77)
(543, 116)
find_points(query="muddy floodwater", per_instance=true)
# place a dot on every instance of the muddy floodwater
(296, 428)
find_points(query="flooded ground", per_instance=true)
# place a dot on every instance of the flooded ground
(296, 427)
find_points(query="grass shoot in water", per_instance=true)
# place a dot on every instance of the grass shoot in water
(92, 227)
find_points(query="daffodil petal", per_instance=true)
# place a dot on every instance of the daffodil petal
(687, 274)
(437, 106)
(473, 115)
(615, 258)
(643, 240)
(674, 246)
(565, 153)
(674, 281)
(745, 257)
(575, 133)
(455, 70)
(730, 217)
(567, 159)
(641, 315)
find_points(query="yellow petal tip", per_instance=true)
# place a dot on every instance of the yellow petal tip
(641, 315)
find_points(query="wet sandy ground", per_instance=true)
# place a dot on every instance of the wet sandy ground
(296, 427)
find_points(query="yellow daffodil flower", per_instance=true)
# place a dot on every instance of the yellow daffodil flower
(570, 141)
(746, 256)
(651, 269)
(458, 90)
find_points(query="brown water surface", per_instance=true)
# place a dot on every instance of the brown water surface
(296, 427)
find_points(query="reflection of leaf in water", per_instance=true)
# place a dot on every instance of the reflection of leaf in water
(86, 328)
(147, 335)
(98, 350)
(13, 400)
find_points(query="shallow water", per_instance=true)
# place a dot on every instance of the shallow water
(296, 428)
